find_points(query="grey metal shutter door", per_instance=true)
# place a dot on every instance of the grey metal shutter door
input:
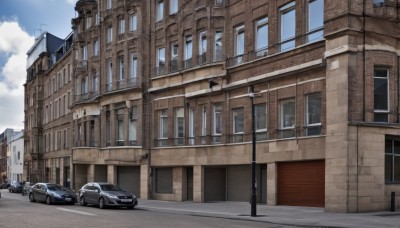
(214, 184)
(128, 177)
(239, 180)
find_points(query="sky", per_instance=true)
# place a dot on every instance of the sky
(20, 22)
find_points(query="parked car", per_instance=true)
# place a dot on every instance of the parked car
(106, 195)
(51, 193)
(15, 186)
(26, 189)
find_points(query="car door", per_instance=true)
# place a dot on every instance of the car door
(89, 197)
(42, 192)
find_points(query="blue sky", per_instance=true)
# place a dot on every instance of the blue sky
(20, 22)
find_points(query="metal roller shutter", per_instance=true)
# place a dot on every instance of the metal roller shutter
(301, 183)
(214, 184)
(239, 179)
(128, 177)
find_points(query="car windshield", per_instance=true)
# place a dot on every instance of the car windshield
(55, 188)
(110, 187)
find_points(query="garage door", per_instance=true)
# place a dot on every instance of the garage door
(301, 183)
(214, 184)
(239, 180)
(128, 177)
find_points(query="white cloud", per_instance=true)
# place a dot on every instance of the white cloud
(72, 2)
(14, 43)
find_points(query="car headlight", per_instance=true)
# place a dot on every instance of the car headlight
(56, 195)
(111, 196)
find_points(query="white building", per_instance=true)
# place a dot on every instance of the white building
(16, 156)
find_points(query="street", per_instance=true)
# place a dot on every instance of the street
(17, 211)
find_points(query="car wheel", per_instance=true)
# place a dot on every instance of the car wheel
(48, 200)
(31, 198)
(82, 201)
(101, 203)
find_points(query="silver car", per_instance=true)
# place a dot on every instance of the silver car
(106, 195)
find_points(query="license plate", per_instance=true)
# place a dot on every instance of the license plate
(126, 200)
(68, 199)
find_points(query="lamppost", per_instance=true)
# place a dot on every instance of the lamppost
(253, 160)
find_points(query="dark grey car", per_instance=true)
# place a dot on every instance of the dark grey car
(106, 195)
(51, 193)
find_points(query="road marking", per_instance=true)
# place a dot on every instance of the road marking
(75, 211)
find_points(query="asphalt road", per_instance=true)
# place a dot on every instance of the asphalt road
(16, 211)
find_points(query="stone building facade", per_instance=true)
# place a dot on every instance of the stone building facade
(161, 100)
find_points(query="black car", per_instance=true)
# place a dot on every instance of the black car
(51, 193)
(15, 186)
(106, 195)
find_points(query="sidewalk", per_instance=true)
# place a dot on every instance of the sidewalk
(282, 215)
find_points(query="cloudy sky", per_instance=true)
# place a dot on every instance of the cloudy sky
(20, 22)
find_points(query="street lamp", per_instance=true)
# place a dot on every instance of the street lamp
(253, 160)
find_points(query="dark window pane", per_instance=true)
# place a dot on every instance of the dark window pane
(388, 146)
(388, 168)
(396, 170)
(396, 147)
(381, 117)
(381, 73)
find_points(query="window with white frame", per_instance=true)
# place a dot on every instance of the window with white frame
(120, 68)
(179, 125)
(84, 52)
(381, 94)
(163, 124)
(109, 74)
(132, 22)
(219, 2)
(133, 73)
(287, 26)
(204, 124)
(188, 51)
(217, 115)
(84, 85)
(120, 127)
(108, 128)
(108, 4)
(315, 29)
(218, 46)
(174, 57)
(173, 6)
(313, 115)
(238, 120)
(96, 47)
(191, 126)
(159, 10)
(133, 126)
(160, 64)
(202, 47)
(95, 82)
(239, 42)
(88, 22)
(392, 160)
(287, 117)
(121, 26)
(261, 44)
(109, 35)
(97, 19)
(260, 119)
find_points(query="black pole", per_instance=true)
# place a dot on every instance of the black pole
(253, 160)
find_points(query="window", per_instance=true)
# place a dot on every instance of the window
(133, 72)
(179, 126)
(287, 117)
(120, 68)
(96, 47)
(109, 34)
(120, 127)
(204, 125)
(315, 20)
(97, 19)
(261, 37)
(84, 52)
(202, 47)
(378, 2)
(84, 85)
(260, 119)
(173, 6)
(217, 128)
(288, 26)
(381, 94)
(121, 26)
(239, 44)
(160, 64)
(313, 115)
(219, 2)
(95, 82)
(133, 126)
(392, 160)
(174, 57)
(188, 51)
(238, 118)
(133, 22)
(109, 4)
(108, 129)
(160, 10)
(191, 127)
(218, 46)
(88, 22)
(109, 75)
(164, 124)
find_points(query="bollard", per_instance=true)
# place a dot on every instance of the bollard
(393, 202)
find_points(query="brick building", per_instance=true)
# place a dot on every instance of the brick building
(161, 100)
